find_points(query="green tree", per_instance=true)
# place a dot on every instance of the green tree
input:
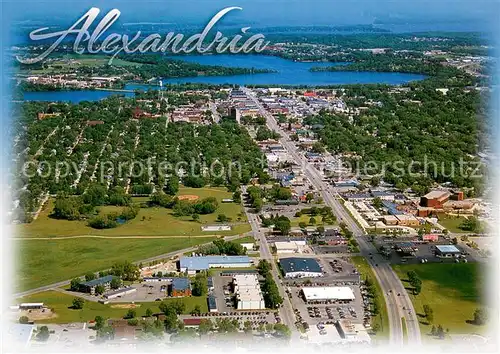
(149, 312)
(206, 326)
(43, 334)
(429, 313)
(131, 313)
(75, 284)
(99, 289)
(98, 323)
(78, 303)
(24, 319)
(195, 217)
(115, 283)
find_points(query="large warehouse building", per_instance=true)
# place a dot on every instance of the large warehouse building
(300, 268)
(248, 293)
(195, 264)
(340, 293)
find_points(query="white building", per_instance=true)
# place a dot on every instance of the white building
(248, 292)
(295, 267)
(289, 247)
(343, 293)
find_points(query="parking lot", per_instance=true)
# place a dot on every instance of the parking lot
(426, 252)
(146, 292)
(223, 293)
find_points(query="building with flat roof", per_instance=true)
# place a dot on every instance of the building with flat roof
(341, 293)
(193, 265)
(17, 335)
(447, 251)
(120, 292)
(289, 246)
(180, 287)
(300, 267)
(248, 292)
(212, 303)
(90, 286)
(353, 332)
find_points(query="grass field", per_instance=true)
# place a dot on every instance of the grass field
(72, 61)
(149, 221)
(42, 262)
(60, 304)
(453, 291)
(382, 320)
(305, 218)
(452, 223)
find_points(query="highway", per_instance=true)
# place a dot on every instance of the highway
(286, 311)
(398, 307)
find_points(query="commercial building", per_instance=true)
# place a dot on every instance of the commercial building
(31, 306)
(212, 303)
(214, 228)
(248, 292)
(192, 265)
(180, 287)
(447, 251)
(435, 199)
(407, 220)
(353, 332)
(289, 247)
(337, 293)
(120, 292)
(300, 268)
(90, 286)
(430, 237)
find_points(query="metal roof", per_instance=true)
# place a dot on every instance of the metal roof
(447, 249)
(99, 281)
(181, 284)
(204, 262)
(290, 265)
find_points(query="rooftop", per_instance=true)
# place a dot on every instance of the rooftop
(290, 265)
(181, 284)
(436, 194)
(204, 262)
(99, 281)
(328, 293)
(447, 249)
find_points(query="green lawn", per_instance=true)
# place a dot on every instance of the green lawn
(246, 239)
(305, 218)
(60, 304)
(149, 221)
(452, 223)
(382, 320)
(42, 262)
(451, 290)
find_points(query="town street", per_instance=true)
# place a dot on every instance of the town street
(398, 307)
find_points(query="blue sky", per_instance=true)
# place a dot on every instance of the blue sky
(264, 12)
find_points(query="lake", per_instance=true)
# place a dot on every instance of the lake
(287, 72)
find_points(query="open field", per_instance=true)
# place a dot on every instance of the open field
(382, 320)
(452, 223)
(149, 221)
(295, 221)
(72, 61)
(42, 262)
(60, 303)
(453, 291)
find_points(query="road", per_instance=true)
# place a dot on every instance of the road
(286, 311)
(151, 259)
(398, 307)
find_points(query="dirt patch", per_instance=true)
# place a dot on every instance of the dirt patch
(188, 197)
(125, 306)
(37, 315)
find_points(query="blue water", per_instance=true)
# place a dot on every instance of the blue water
(72, 96)
(288, 72)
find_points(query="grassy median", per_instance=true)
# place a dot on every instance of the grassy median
(381, 320)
